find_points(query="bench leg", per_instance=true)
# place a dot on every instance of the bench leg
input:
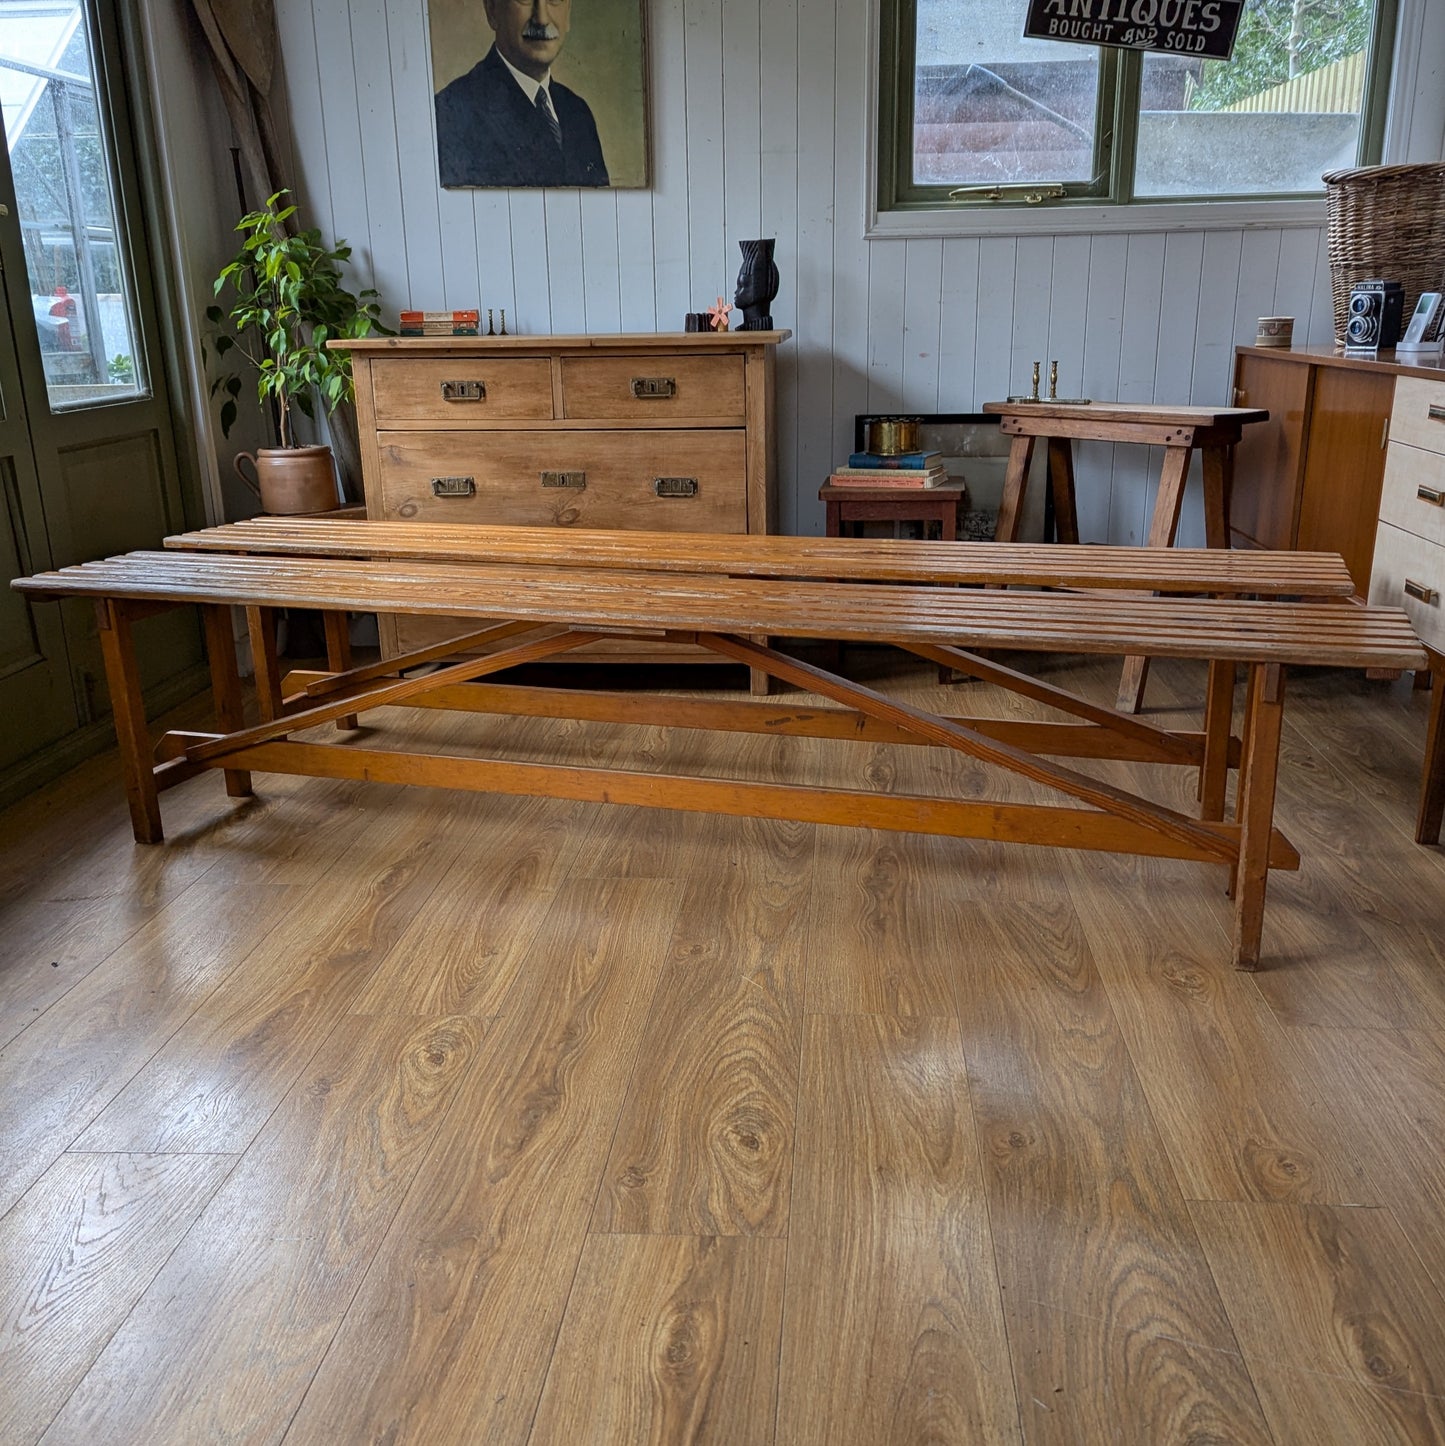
(1259, 774)
(117, 645)
(338, 656)
(1218, 723)
(1015, 479)
(1432, 790)
(226, 687)
(261, 624)
(1163, 524)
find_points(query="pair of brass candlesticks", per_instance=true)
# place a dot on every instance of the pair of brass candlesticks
(1053, 396)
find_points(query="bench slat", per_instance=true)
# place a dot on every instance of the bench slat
(1214, 570)
(1287, 632)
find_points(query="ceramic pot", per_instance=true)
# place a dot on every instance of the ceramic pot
(291, 479)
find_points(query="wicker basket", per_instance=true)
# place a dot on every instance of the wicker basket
(1386, 221)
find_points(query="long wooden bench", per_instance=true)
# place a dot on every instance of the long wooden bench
(542, 610)
(1175, 570)
(1214, 571)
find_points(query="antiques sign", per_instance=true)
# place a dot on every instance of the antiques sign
(1203, 28)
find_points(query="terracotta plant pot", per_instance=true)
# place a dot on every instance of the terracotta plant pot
(292, 479)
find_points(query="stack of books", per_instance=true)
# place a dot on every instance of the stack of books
(439, 323)
(908, 469)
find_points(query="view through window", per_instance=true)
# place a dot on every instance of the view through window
(80, 292)
(991, 108)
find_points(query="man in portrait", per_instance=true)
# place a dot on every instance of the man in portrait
(507, 122)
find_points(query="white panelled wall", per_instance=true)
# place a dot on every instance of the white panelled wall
(758, 128)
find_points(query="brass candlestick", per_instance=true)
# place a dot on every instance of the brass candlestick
(1054, 396)
(1034, 395)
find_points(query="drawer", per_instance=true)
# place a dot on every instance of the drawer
(510, 478)
(1414, 495)
(1401, 557)
(1419, 413)
(653, 389)
(441, 389)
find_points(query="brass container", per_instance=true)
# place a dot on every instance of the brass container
(290, 480)
(892, 436)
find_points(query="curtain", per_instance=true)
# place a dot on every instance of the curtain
(242, 39)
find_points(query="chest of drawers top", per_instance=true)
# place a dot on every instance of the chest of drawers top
(676, 379)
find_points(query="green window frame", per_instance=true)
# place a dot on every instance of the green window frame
(1116, 132)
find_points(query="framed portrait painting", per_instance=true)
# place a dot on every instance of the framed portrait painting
(540, 92)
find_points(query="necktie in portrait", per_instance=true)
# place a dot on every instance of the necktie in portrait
(544, 104)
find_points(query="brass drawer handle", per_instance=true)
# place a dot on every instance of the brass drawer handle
(675, 486)
(464, 391)
(651, 389)
(577, 481)
(453, 486)
(1419, 591)
(1435, 412)
(1431, 494)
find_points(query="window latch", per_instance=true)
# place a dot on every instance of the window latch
(1033, 194)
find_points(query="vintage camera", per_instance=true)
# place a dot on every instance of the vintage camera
(1377, 314)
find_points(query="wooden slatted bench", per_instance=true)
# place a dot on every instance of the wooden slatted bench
(1175, 570)
(536, 611)
(1196, 570)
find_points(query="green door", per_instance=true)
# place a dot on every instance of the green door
(87, 451)
(36, 701)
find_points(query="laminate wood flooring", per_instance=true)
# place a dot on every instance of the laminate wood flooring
(357, 1114)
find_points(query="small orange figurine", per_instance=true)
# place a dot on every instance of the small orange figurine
(718, 315)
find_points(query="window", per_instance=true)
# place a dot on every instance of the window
(79, 280)
(972, 115)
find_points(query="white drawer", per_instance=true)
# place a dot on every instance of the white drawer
(1419, 413)
(1413, 498)
(1403, 561)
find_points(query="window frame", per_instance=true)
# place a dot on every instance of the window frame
(924, 211)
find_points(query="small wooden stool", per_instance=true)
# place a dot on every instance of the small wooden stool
(848, 506)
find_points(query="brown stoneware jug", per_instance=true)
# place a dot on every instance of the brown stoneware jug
(291, 479)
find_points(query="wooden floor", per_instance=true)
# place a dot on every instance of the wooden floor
(354, 1114)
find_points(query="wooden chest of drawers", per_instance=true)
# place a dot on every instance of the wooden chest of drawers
(1409, 564)
(1409, 560)
(670, 433)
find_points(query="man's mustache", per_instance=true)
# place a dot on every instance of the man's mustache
(535, 30)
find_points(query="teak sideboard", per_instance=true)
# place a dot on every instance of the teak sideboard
(668, 432)
(1311, 477)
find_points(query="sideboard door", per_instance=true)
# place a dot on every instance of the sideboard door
(1345, 466)
(1269, 462)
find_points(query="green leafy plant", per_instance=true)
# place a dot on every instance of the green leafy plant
(288, 302)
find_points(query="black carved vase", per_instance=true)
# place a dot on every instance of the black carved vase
(757, 284)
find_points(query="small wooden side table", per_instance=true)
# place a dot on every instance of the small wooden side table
(1179, 430)
(848, 506)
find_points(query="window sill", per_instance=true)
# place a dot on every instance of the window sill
(1059, 220)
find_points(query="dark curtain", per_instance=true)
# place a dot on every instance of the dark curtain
(242, 39)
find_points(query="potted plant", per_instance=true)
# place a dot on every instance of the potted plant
(287, 302)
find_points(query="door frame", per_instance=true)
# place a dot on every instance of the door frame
(124, 89)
